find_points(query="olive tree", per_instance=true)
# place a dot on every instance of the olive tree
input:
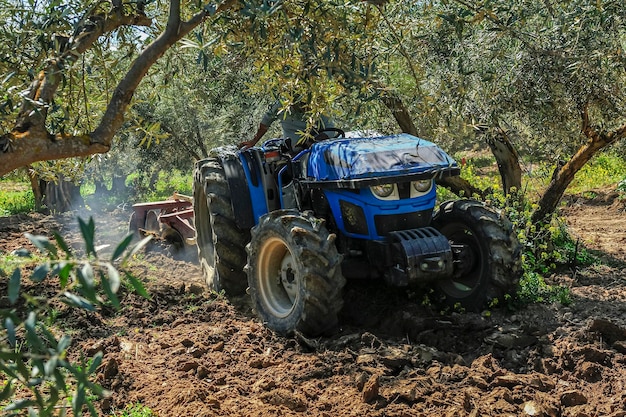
(545, 79)
(52, 39)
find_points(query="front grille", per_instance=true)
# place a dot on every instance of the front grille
(394, 222)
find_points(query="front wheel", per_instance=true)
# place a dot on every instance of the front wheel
(294, 273)
(487, 254)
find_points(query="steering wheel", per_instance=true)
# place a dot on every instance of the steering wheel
(322, 135)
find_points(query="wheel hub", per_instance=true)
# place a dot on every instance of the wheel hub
(464, 259)
(288, 277)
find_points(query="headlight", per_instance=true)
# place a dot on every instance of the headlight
(383, 190)
(421, 186)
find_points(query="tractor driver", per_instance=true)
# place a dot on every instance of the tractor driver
(293, 122)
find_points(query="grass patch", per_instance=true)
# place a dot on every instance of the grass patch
(606, 170)
(533, 289)
(15, 198)
(134, 410)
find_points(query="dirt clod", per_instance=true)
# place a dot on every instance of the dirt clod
(370, 389)
(572, 398)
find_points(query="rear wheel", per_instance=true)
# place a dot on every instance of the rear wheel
(294, 273)
(487, 254)
(221, 244)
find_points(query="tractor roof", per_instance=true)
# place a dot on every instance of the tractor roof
(375, 157)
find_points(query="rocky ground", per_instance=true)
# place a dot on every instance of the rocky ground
(187, 352)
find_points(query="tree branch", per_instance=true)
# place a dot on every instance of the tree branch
(29, 141)
(398, 110)
(123, 94)
(35, 103)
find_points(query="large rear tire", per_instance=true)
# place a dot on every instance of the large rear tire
(294, 273)
(221, 244)
(487, 254)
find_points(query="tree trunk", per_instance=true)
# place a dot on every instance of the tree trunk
(62, 196)
(118, 186)
(154, 177)
(101, 188)
(399, 112)
(36, 186)
(507, 159)
(563, 175)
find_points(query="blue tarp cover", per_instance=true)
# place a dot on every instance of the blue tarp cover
(356, 158)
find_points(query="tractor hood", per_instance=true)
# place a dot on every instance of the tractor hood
(377, 160)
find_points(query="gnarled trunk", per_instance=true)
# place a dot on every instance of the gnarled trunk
(62, 196)
(563, 175)
(507, 159)
(36, 186)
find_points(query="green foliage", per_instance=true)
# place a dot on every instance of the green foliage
(606, 169)
(533, 289)
(166, 184)
(135, 410)
(140, 188)
(16, 195)
(33, 356)
(174, 182)
(482, 173)
(527, 69)
(14, 202)
(545, 247)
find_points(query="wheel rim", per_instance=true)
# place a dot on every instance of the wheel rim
(279, 285)
(467, 275)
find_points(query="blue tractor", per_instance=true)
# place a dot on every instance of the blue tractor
(290, 228)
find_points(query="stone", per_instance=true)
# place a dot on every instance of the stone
(110, 369)
(531, 408)
(370, 390)
(572, 398)
(620, 346)
(187, 366)
(394, 357)
(510, 380)
(609, 331)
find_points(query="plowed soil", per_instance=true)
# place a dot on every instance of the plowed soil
(188, 352)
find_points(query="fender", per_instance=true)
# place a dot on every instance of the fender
(239, 191)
